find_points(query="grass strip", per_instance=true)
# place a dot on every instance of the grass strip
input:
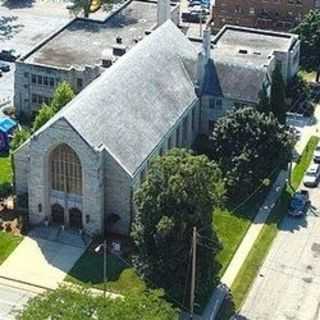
(262, 245)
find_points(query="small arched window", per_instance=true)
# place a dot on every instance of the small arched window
(66, 175)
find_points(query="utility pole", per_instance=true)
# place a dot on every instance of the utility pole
(201, 8)
(104, 269)
(193, 277)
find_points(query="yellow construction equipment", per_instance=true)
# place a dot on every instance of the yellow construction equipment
(95, 5)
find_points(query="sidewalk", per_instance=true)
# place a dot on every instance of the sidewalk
(248, 241)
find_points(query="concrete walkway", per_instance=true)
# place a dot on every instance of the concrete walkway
(248, 241)
(40, 262)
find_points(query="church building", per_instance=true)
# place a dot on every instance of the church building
(82, 168)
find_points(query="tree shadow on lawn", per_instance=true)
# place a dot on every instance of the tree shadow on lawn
(88, 271)
(9, 28)
(17, 4)
(4, 154)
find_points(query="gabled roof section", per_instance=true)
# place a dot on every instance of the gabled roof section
(134, 103)
(234, 81)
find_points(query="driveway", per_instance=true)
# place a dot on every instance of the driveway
(44, 257)
(12, 300)
(287, 287)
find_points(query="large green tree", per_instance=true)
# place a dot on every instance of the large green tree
(62, 95)
(180, 192)
(83, 6)
(309, 32)
(76, 303)
(278, 95)
(19, 137)
(44, 114)
(248, 145)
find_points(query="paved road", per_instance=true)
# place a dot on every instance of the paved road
(287, 287)
(11, 300)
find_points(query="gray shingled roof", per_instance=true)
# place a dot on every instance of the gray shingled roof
(233, 81)
(133, 104)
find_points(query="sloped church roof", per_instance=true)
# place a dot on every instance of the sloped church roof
(134, 103)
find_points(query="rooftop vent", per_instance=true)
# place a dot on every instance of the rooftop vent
(119, 40)
(243, 51)
(257, 53)
(119, 50)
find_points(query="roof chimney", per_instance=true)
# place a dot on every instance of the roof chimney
(206, 44)
(163, 10)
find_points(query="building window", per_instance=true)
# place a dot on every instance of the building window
(211, 126)
(40, 80)
(45, 81)
(185, 129)
(66, 175)
(178, 137)
(142, 175)
(193, 119)
(79, 83)
(26, 74)
(211, 104)
(161, 152)
(51, 82)
(170, 143)
(218, 104)
(34, 79)
(34, 98)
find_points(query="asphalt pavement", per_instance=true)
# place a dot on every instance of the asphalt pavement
(287, 286)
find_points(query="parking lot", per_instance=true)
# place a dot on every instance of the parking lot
(23, 27)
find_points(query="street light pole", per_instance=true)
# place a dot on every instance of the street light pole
(193, 276)
(104, 267)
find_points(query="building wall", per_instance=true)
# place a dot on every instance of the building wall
(283, 13)
(36, 173)
(34, 84)
(118, 193)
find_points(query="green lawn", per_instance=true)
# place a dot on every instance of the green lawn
(89, 271)
(8, 243)
(5, 169)
(308, 75)
(304, 162)
(231, 227)
(258, 253)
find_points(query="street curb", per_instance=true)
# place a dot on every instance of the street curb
(25, 283)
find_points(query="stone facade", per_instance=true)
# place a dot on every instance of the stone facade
(107, 187)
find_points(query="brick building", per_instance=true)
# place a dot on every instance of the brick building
(265, 14)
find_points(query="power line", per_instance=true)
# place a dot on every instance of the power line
(242, 203)
(151, 282)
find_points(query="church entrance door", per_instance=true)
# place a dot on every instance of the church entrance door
(75, 218)
(57, 214)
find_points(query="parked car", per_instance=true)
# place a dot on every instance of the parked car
(311, 178)
(9, 55)
(316, 157)
(198, 10)
(4, 67)
(299, 203)
(295, 132)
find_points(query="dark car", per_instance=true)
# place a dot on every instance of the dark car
(299, 203)
(9, 55)
(4, 67)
